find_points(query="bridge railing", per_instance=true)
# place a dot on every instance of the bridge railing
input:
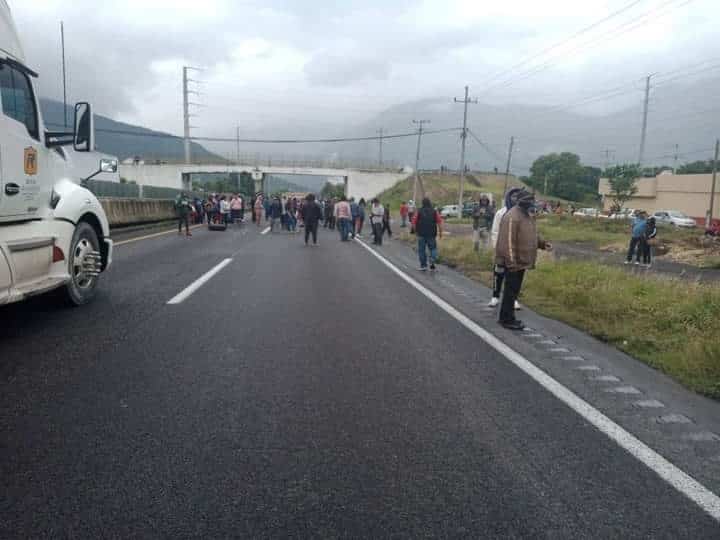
(121, 190)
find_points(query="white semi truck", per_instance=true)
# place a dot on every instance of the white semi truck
(54, 233)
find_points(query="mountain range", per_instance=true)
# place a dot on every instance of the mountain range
(678, 115)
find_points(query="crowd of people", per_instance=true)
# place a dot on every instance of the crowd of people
(511, 230)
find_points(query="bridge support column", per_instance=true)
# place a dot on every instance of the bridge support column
(345, 185)
(260, 183)
(185, 181)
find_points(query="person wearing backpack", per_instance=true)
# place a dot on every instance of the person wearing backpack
(427, 224)
(182, 208)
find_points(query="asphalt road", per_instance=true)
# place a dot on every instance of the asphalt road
(301, 392)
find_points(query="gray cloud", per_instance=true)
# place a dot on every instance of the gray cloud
(332, 70)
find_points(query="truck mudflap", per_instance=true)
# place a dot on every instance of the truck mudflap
(107, 249)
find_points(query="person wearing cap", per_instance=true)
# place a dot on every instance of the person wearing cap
(516, 252)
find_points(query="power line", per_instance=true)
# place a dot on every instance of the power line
(567, 40)
(268, 141)
(618, 30)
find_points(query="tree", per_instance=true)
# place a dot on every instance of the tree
(564, 176)
(696, 167)
(622, 184)
(332, 191)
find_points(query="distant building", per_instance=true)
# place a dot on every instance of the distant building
(688, 193)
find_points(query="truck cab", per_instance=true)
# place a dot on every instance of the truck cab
(53, 231)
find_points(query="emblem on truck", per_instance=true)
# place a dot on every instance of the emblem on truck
(30, 160)
(12, 189)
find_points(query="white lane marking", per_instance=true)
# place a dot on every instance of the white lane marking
(587, 368)
(148, 236)
(572, 358)
(605, 378)
(559, 349)
(676, 477)
(703, 436)
(623, 390)
(674, 419)
(650, 404)
(265, 230)
(199, 282)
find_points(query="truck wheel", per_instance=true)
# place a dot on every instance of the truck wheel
(84, 262)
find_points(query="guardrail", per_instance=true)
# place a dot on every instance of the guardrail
(118, 190)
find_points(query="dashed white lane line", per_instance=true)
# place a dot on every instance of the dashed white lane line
(650, 404)
(674, 419)
(623, 390)
(606, 378)
(265, 230)
(680, 480)
(587, 368)
(199, 282)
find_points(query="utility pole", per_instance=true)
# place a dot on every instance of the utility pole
(237, 139)
(608, 153)
(62, 42)
(186, 110)
(417, 157)
(380, 158)
(677, 148)
(643, 135)
(465, 101)
(507, 167)
(712, 189)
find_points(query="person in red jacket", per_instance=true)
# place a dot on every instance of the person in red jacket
(403, 214)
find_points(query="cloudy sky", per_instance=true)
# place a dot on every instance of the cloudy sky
(324, 64)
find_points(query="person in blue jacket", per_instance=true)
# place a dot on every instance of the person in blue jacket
(637, 240)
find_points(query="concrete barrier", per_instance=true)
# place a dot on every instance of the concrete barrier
(126, 212)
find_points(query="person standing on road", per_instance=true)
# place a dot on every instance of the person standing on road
(275, 212)
(637, 239)
(516, 252)
(355, 212)
(361, 217)
(311, 213)
(650, 240)
(403, 215)
(235, 208)
(499, 271)
(259, 210)
(427, 224)
(343, 217)
(182, 209)
(377, 215)
(386, 222)
(224, 209)
(411, 214)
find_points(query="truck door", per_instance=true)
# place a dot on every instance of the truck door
(22, 156)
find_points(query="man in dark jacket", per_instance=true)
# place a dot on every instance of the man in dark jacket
(275, 212)
(516, 252)
(427, 224)
(311, 214)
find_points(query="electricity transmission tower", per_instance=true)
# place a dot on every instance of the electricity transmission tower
(417, 158)
(465, 101)
(643, 134)
(186, 109)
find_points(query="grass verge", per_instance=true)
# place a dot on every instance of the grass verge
(670, 325)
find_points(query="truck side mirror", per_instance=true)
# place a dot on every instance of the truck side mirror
(84, 133)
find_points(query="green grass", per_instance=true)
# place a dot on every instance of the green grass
(670, 325)
(601, 232)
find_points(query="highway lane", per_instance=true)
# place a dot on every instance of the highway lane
(300, 392)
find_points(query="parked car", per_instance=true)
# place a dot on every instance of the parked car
(449, 211)
(625, 213)
(469, 208)
(674, 217)
(587, 212)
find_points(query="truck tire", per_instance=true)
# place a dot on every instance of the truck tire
(81, 287)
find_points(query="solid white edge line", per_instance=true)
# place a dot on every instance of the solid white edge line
(265, 231)
(680, 480)
(148, 236)
(195, 285)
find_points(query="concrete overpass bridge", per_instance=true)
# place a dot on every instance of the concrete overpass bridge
(359, 183)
